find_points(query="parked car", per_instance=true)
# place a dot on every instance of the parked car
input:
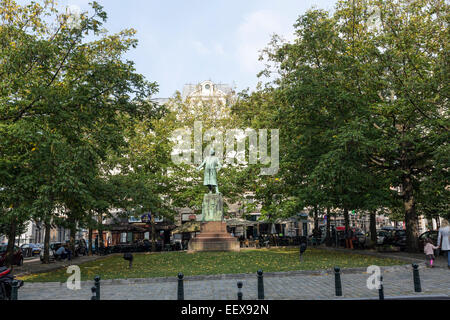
(80, 247)
(17, 256)
(399, 240)
(55, 245)
(52, 249)
(361, 239)
(32, 248)
(383, 237)
(388, 228)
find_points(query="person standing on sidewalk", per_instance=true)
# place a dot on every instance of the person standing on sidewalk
(349, 238)
(429, 251)
(444, 239)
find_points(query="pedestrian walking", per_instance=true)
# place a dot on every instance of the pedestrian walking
(349, 239)
(443, 241)
(316, 236)
(429, 251)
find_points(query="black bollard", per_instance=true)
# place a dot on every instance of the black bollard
(303, 246)
(239, 295)
(416, 277)
(381, 289)
(14, 289)
(94, 296)
(180, 286)
(129, 257)
(260, 285)
(337, 281)
(97, 287)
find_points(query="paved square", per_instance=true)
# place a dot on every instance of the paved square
(398, 281)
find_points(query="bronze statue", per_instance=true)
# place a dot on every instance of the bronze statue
(212, 166)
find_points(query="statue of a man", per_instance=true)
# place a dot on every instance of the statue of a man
(212, 166)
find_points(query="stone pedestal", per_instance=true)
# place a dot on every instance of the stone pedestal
(213, 231)
(212, 207)
(213, 237)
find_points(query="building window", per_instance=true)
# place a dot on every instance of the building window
(207, 87)
(123, 237)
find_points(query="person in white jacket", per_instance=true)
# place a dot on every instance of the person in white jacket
(444, 239)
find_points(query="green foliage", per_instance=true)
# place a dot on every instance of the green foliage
(67, 97)
(362, 108)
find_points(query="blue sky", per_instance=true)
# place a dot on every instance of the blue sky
(187, 41)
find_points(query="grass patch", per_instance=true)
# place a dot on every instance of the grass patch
(169, 264)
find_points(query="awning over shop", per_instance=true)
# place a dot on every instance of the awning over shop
(188, 227)
(165, 226)
(139, 227)
(285, 221)
(235, 222)
(125, 228)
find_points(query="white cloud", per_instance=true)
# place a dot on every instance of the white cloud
(83, 5)
(74, 13)
(218, 49)
(202, 49)
(255, 32)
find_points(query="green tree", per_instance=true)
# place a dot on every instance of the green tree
(364, 104)
(318, 109)
(402, 59)
(65, 103)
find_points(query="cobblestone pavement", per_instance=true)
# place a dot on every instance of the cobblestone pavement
(398, 281)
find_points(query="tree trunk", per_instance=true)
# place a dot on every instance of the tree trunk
(11, 241)
(438, 223)
(99, 239)
(152, 221)
(90, 241)
(335, 230)
(101, 243)
(373, 228)
(411, 219)
(47, 242)
(316, 218)
(328, 239)
(73, 231)
(346, 219)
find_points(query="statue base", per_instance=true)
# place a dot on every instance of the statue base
(213, 237)
(212, 207)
